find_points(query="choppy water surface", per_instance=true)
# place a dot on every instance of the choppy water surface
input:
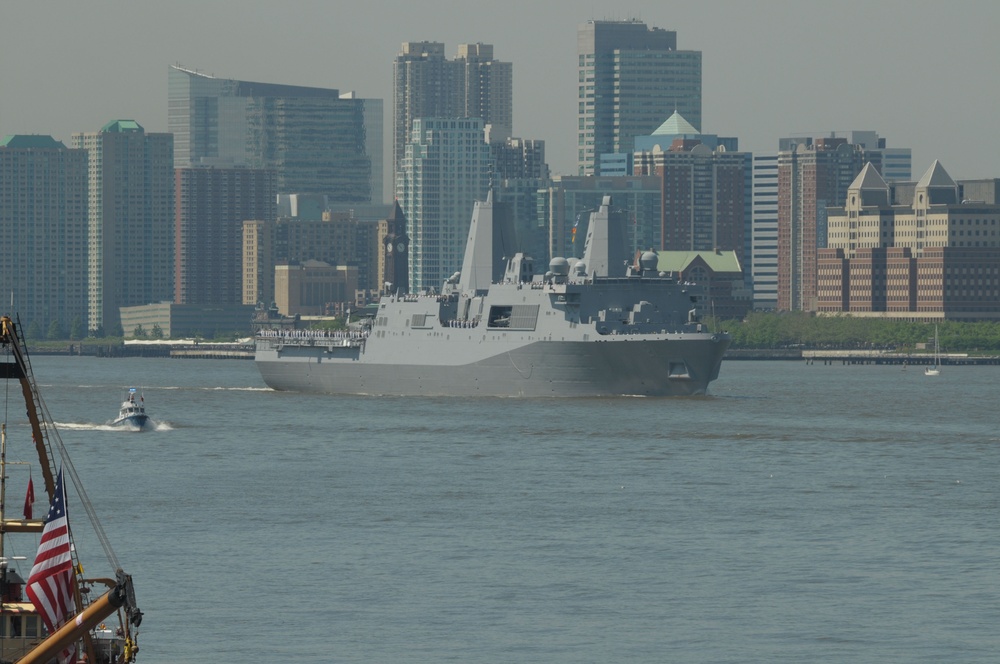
(800, 513)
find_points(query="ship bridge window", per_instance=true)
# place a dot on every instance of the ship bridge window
(31, 626)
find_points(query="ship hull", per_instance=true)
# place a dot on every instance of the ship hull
(676, 365)
(133, 422)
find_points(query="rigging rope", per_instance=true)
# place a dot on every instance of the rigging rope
(70, 469)
(49, 434)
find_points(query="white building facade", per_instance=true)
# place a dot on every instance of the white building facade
(445, 170)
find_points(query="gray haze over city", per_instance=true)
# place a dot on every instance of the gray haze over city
(921, 73)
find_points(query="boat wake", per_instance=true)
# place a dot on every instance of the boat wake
(89, 426)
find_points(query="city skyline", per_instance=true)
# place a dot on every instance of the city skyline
(918, 73)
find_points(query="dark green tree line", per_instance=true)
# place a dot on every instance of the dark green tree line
(798, 329)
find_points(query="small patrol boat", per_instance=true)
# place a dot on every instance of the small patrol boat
(132, 413)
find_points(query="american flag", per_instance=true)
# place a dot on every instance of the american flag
(50, 584)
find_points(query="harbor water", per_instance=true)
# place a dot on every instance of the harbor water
(797, 513)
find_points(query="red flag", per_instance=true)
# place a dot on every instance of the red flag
(50, 584)
(29, 499)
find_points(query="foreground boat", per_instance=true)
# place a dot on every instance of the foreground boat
(54, 613)
(606, 325)
(132, 413)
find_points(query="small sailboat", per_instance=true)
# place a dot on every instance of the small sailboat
(935, 369)
(132, 413)
(54, 612)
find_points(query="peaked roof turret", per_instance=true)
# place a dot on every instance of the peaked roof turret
(869, 178)
(936, 176)
(870, 188)
(935, 187)
(675, 124)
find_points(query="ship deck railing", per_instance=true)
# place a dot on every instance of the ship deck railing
(323, 338)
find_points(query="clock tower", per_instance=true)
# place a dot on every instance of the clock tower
(395, 253)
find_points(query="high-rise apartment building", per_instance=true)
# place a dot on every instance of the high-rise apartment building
(316, 140)
(211, 205)
(704, 196)
(630, 78)
(131, 220)
(43, 231)
(811, 177)
(764, 231)
(427, 85)
(445, 170)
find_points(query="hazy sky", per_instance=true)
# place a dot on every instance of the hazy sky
(923, 74)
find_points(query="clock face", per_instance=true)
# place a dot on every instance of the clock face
(400, 247)
(388, 248)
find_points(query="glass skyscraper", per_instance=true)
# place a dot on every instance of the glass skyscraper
(630, 78)
(317, 140)
(445, 170)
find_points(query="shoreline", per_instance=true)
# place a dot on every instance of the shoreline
(243, 351)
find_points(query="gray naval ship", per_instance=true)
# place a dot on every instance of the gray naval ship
(605, 325)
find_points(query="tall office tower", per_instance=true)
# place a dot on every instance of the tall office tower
(473, 85)
(488, 89)
(704, 194)
(211, 205)
(131, 220)
(813, 176)
(764, 233)
(630, 78)
(43, 231)
(316, 140)
(445, 170)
